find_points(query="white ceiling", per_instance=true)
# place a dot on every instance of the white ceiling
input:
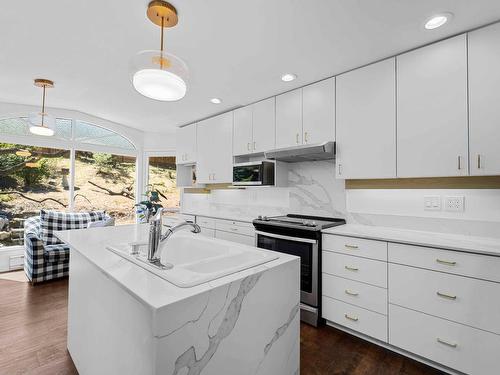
(235, 49)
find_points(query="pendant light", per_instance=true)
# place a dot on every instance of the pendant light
(41, 123)
(157, 74)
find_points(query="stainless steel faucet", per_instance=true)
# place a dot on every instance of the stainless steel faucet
(156, 238)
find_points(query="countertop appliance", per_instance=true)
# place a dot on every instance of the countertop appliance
(254, 173)
(299, 235)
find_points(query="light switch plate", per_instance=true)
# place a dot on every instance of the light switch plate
(432, 203)
(454, 203)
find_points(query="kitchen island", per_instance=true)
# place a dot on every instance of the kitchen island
(124, 319)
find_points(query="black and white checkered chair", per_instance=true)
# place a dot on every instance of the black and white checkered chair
(45, 256)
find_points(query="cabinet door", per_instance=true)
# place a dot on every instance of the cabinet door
(432, 110)
(206, 145)
(242, 132)
(484, 99)
(264, 125)
(289, 119)
(366, 122)
(318, 106)
(186, 144)
(221, 141)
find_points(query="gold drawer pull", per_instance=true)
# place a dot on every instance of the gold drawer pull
(353, 318)
(347, 291)
(444, 295)
(351, 268)
(351, 246)
(447, 262)
(447, 343)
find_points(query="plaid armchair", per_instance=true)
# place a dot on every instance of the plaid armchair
(45, 257)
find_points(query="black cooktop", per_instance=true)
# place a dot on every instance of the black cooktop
(311, 223)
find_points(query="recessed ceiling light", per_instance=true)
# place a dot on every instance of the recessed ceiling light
(288, 77)
(437, 20)
(216, 100)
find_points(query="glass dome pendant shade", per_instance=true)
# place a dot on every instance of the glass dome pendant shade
(41, 123)
(157, 74)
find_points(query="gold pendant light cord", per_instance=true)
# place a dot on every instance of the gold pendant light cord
(43, 104)
(161, 42)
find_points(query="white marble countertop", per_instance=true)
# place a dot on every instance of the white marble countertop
(223, 217)
(481, 245)
(142, 284)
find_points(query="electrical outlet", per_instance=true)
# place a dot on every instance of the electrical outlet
(454, 203)
(432, 203)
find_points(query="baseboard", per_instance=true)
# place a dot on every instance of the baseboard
(395, 349)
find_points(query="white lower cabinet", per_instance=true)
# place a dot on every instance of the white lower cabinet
(461, 299)
(239, 238)
(439, 304)
(356, 293)
(454, 345)
(356, 318)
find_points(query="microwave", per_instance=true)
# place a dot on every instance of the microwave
(255, 173)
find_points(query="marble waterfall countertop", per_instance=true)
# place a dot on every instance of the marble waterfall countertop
(142, 284)
(473, 244)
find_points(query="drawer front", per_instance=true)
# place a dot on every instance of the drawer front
(205, 222)
(454, 345)
(459, 263)
(245, 240)
(355, 246)
(236, 227)
(368, 271)
(363, 295)
(355, 318)
(207, 232)
(461, 299)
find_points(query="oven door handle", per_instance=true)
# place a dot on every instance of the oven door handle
(281, 237)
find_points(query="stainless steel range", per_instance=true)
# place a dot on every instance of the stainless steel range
(301, 236)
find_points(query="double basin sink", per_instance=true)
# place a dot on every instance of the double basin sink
(195, 259)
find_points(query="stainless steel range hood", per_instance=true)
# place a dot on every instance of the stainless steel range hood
(319, 151)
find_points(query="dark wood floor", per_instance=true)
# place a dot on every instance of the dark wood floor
(33, 339)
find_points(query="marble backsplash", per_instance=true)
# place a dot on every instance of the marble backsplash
(314, 190)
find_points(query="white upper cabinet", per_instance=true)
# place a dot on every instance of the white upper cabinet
(215, 157)
(318, 112)
(366, 122)
(484, 101)
(289, 119)
(242, 133)
(186, 145)
(432, 110)
(254, 128)
(264, 126)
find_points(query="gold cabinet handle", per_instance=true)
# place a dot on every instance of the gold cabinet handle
(446, 262)
(353, 318)
(305, 137)
(234, 229)
(339, 167)
(478, 161)
(447, 343)
(347, 291)
(248, 146)
(297, 138)
(351, 246)
(447, 296)
(459, 162)
(254, 145)
(351, 268)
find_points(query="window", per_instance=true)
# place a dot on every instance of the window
(105, 181)
(31, 178)
(162, 180)
(34, 177)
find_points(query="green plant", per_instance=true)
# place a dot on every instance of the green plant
(34, 175)
(104, 161)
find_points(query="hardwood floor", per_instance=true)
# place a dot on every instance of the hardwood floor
(33, 339)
